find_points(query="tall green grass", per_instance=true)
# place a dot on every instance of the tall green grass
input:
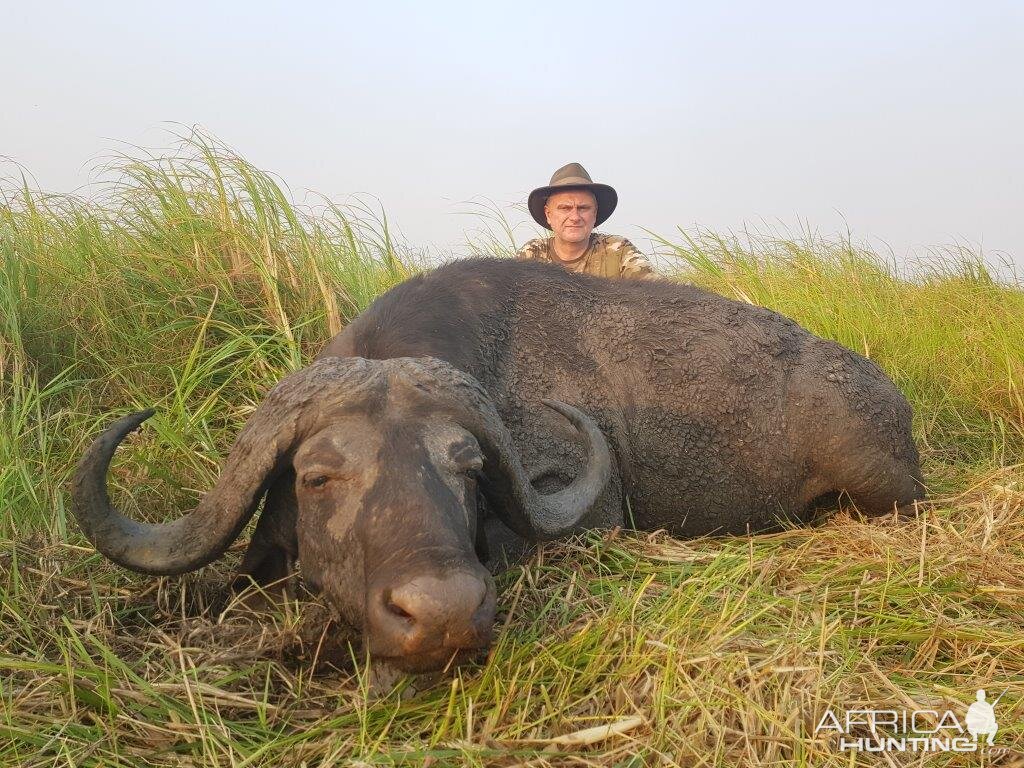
(192, 283)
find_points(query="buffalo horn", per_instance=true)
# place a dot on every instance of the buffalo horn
(202, 535)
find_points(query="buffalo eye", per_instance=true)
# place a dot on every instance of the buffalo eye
(316, 481)
(464, 459)
(472, 469)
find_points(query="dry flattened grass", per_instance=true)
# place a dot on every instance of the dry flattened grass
(614, 647)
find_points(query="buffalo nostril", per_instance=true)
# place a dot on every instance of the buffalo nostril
(428, 613)
(399, 611)
(395, 609)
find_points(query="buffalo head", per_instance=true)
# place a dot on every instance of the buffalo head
(388, 457)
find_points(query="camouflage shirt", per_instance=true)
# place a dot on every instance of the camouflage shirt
(606, 256)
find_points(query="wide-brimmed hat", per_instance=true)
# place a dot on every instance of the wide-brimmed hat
(566, 178)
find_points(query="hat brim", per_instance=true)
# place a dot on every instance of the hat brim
(607, 198)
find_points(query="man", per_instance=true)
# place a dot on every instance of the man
(571, 206)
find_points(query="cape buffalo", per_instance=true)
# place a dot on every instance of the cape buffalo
(491, 403)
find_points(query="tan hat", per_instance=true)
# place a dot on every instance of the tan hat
(572, 176)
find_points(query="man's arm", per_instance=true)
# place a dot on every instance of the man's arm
(634, 264)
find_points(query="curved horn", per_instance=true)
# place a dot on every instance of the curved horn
(525, 510)
(203, 535)
(531, 514)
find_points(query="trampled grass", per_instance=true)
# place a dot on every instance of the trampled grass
(193, 284)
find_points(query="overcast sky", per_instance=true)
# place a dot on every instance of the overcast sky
(900, 122)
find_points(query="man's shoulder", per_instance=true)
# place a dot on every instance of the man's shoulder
(534, 249)
(632, 263)
(610, 242)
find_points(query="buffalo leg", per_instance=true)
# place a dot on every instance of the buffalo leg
(879, 487)
(892, 490)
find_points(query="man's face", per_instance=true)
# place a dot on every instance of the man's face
(571, 215)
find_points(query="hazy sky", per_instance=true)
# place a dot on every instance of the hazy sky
(902, 122)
